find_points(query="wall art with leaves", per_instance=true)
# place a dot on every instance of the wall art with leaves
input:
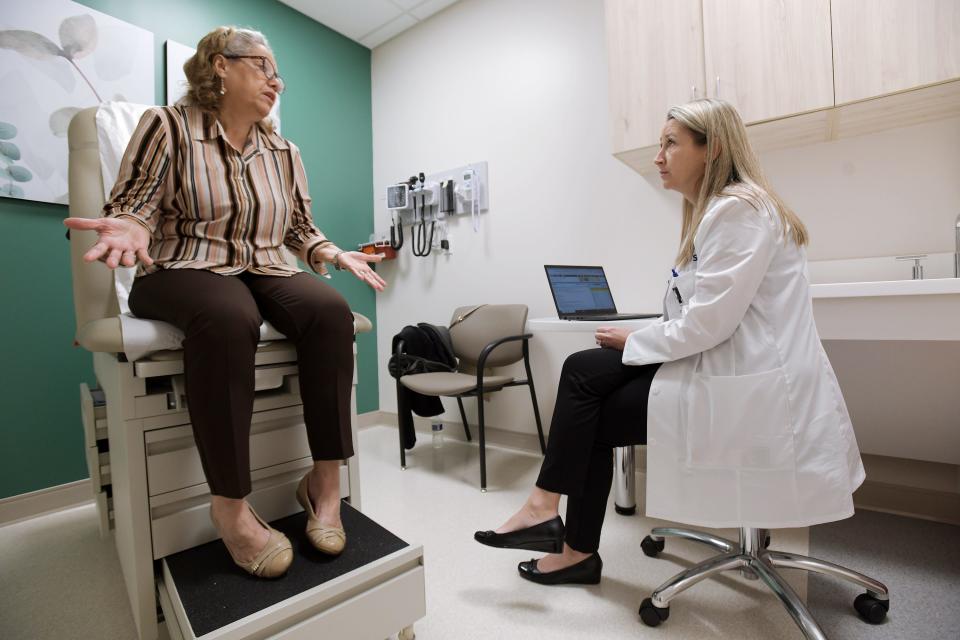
(56, 58)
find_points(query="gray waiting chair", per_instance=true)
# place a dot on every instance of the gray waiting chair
(485, 337)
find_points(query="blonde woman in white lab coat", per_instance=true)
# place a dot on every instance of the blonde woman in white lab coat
(744, 421)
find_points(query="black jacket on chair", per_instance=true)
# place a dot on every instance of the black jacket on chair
(426, 348)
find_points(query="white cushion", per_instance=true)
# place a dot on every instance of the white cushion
(143, 337)
(116, 122)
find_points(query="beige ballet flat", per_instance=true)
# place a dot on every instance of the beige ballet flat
(328, 540)
(273, 560)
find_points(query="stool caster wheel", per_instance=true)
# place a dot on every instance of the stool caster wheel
(652, 547)
(406, 634)
(871, 609)
(766, 542)
(651, 614)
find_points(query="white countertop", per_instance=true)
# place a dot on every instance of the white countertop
(888, 310)
(885, 288)
(880, 310)
(556, 324)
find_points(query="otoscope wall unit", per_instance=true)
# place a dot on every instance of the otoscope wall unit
(422, 202)
(400, 196)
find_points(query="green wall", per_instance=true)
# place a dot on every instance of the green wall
(325, 111)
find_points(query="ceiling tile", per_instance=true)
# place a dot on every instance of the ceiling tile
(369, 22)
(407, 4)
(352, 18)
(387, 31)
(430, 7)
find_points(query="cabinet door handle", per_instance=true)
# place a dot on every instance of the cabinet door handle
(718, 86)
(693, 92)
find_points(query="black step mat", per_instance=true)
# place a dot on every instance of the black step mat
(215, 592)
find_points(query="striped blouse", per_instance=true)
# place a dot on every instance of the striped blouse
(209, 206)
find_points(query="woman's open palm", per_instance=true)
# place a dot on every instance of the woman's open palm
(119, 241)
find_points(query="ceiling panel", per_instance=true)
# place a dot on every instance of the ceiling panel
(388, 30)
(352, 18)
(407, 4)
(426, 9)
(369, 22)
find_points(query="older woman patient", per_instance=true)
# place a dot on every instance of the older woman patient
(207, 196)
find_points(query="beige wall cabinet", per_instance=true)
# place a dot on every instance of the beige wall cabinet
(655, 53)
(885, 46)
(769, 59)
(894, 63)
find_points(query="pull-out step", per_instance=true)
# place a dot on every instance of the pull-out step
(374, 589)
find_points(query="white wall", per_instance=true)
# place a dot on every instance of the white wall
(890, 193)
(523, 85)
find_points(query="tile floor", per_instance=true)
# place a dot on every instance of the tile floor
(59, 580)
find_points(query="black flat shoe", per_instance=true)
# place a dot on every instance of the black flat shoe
(546, 536)
(587, 571)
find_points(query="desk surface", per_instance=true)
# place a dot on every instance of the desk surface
(556, 324)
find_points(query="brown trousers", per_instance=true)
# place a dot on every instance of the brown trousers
(220, 317)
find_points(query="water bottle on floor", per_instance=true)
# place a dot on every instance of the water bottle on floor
(436, 427)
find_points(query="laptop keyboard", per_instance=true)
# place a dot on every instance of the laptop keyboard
(615, 316)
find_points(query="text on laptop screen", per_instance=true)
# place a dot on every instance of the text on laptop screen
(580, 289)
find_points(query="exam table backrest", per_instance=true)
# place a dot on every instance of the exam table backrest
(94, 297)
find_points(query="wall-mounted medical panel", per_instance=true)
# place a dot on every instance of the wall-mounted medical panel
(468, 194)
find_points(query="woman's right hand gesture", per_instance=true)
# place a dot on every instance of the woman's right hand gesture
(119, 241)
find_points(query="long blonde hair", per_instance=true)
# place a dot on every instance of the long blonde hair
(733, 170)
(203, 84)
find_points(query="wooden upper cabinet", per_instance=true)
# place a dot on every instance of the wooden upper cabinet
(769, 58)
(885, 46)
(894, 63)
(655, 57)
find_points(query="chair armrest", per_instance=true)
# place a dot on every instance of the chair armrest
(361, 323)
(397, 352)
(482, 360)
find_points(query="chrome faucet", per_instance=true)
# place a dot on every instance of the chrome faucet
(956, 249)
(917, 266)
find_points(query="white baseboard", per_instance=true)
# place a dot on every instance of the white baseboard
(375, 418)
(525, 442)
(35, 503)
(925, 504)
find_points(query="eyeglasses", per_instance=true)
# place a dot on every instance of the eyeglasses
(266, 68)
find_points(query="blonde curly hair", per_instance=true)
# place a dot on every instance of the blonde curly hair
(203, 85)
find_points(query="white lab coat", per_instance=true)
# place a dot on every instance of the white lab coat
(746, 425)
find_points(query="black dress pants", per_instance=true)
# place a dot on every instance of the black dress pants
(220, 317)
(601, 404)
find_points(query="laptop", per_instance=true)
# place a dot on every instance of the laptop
(582, 293)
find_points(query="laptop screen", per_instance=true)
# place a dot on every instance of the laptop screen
(579, 290)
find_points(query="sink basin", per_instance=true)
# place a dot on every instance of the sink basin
(888, 310)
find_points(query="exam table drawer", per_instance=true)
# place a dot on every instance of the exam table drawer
(275, 385)
(173, 462)
(98, 464)
(396, 601)
(93, 414)
(181, 519)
